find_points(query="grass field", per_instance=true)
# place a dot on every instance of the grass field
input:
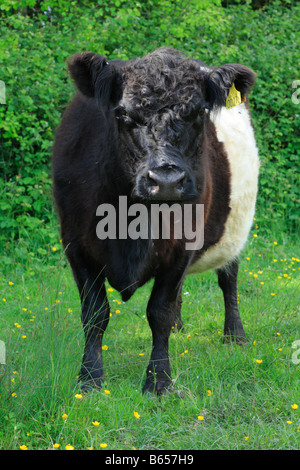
(231, 397)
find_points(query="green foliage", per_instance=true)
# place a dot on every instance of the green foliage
(37, 37)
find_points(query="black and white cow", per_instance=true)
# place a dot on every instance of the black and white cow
(154, 129)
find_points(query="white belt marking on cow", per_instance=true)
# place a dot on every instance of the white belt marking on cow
(234, 129)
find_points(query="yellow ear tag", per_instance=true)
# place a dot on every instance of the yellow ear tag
(234, 98)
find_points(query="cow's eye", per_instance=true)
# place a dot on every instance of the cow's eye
(122, 115)
(130, 119)
(120, 112)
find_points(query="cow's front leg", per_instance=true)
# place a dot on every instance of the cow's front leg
(233, 328)
(163, 313)
(94, 316)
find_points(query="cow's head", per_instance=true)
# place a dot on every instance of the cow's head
(160, 103)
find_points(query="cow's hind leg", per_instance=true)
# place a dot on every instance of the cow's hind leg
(233, 328)
(94, 317)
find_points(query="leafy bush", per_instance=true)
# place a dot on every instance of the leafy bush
(37, 37)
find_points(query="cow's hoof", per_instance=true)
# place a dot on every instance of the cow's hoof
(238, 338)
(158, 388)
(88, 386)
(90, 382)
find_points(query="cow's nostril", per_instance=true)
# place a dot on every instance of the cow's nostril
(152, 184)
(151, 179)
(180, 181)
(179, 185)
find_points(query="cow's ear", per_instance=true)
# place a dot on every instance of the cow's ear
(94, 76)
(220, 80)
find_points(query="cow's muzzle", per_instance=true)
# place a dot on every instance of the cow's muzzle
(167, 183)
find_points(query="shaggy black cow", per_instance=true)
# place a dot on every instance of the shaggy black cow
(154, 129)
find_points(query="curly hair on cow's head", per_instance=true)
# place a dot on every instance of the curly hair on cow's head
(165, 78)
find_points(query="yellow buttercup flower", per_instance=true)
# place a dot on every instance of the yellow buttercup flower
(136, 415)
(294, 406)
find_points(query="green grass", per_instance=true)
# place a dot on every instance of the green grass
(245, 404)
